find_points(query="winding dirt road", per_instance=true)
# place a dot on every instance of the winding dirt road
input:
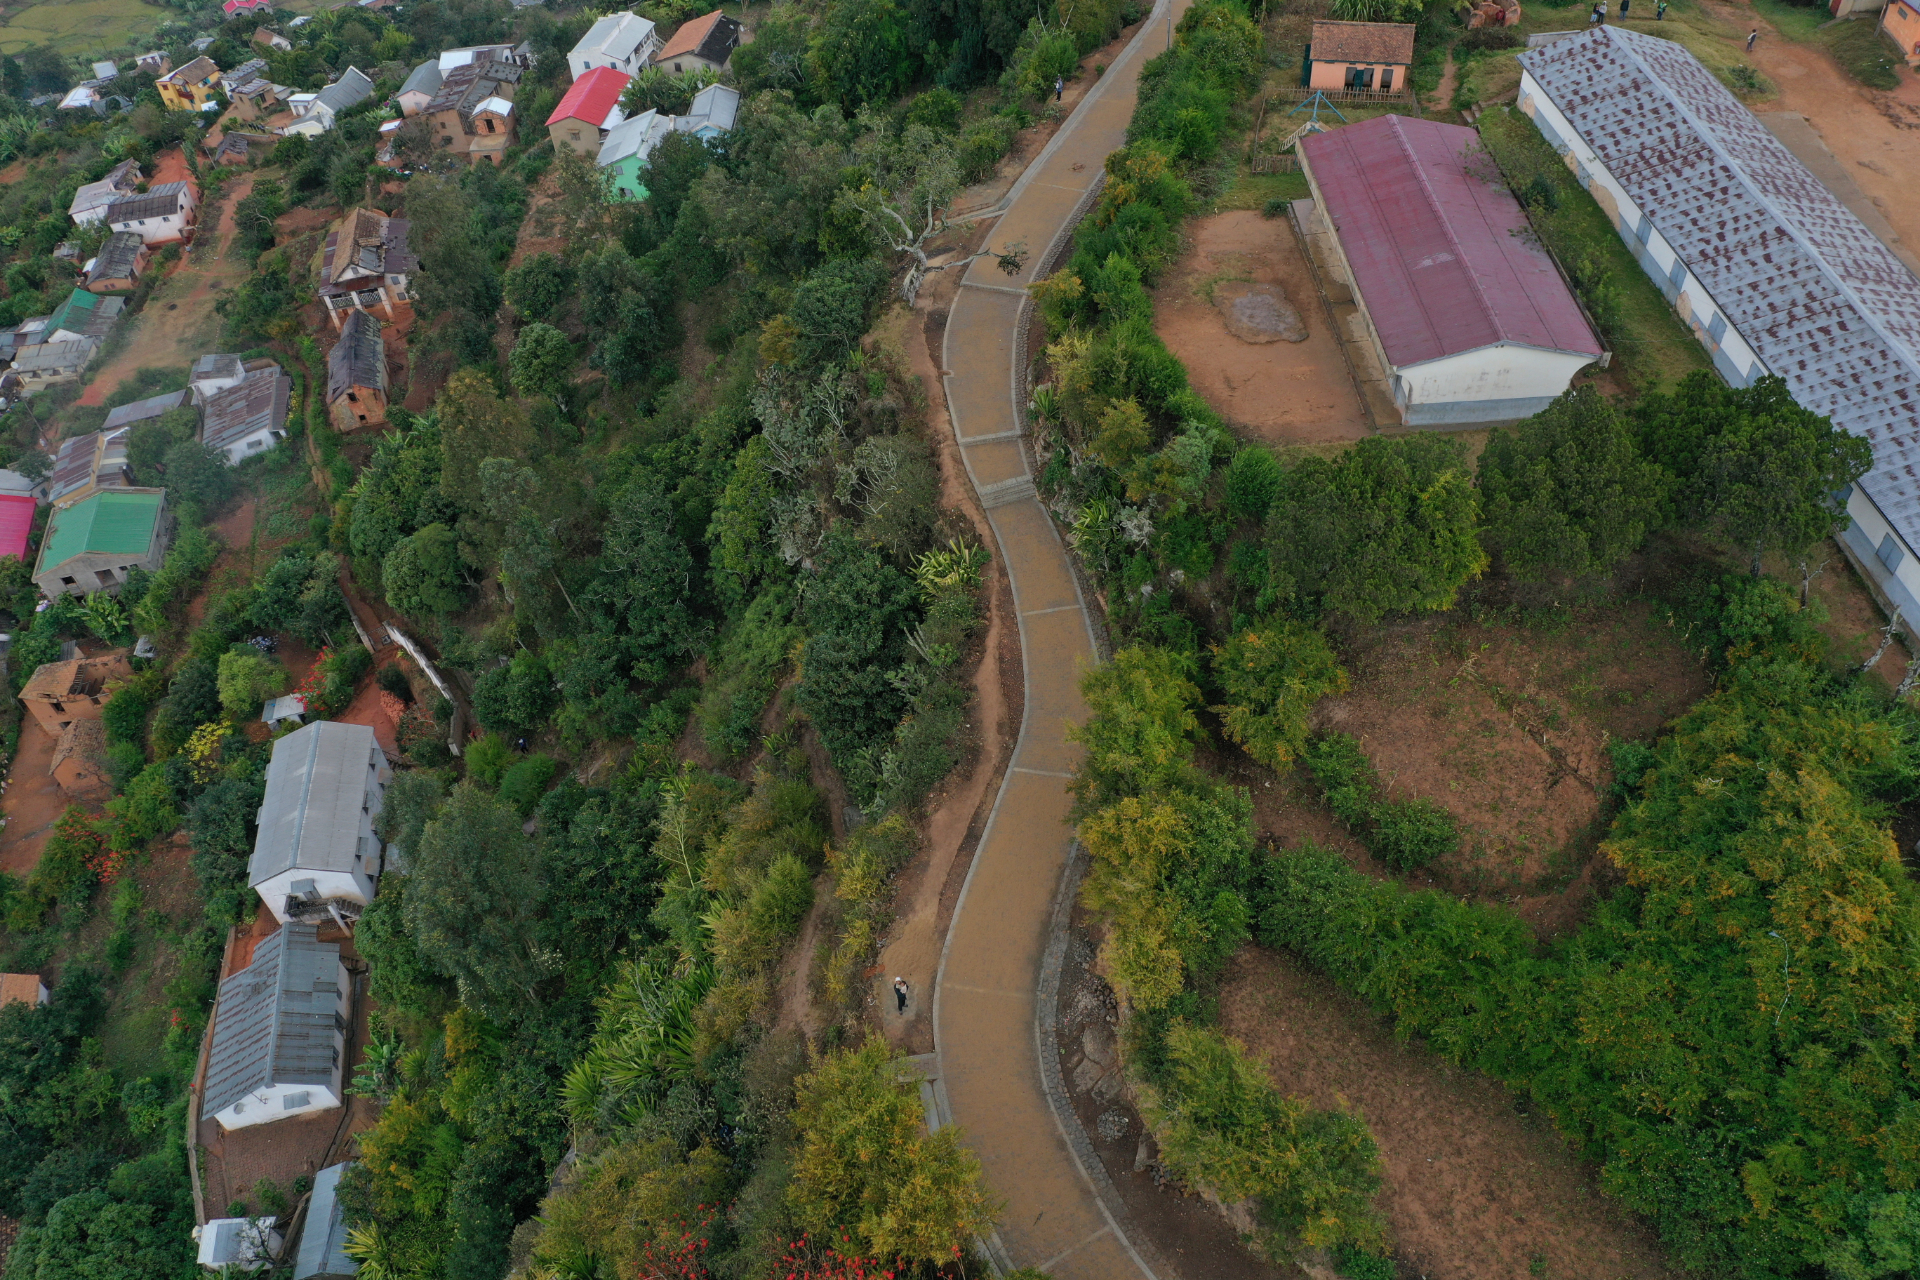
(991, 1071)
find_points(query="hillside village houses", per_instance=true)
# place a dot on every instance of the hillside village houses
(590, 109)
(1772, 272)
(119, 264)
(319, 111)
(84, 315)
(279, 1033)
(164, 214)
(419, 88)
(87, 464)
(249, 418)
(190, 88)
(212, 374)
(628, 146)
(366, 266)
(471, 114)
(357, 374)
(89, 203)
(59, 693)
(316, 856)
(705, 43)
(624, 42)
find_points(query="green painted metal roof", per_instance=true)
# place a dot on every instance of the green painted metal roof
(109, 523)
(72, 313)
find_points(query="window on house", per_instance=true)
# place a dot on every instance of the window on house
(255, 444)
(1386, 79)
(1717, 327)
(363, 417)
(105, 575)
(1359, 77)
(294, 1101)
(68, 581)
(1678, 274)
(1891, 553)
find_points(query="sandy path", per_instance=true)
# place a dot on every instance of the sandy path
(1876, 134)
(33, 802)
(178, 324)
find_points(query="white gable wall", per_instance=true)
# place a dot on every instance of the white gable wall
(1500, 383)
(282, 1101)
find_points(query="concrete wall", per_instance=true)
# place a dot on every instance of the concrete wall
(1500, 383)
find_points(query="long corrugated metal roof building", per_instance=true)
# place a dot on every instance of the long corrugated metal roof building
(1773, 272)
(279, 1033)
(325, 785)
(1467, 312)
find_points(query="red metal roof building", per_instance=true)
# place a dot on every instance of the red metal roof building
(16, 522)
(1470, 318)
(591, 107)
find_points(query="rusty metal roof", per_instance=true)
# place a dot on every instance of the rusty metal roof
(1823, 302)
(1441, 251)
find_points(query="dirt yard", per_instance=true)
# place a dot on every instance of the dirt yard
(1282, 392)
(33, 801)
(1477, 1188)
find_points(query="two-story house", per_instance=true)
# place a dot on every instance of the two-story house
(471, 115)
(623, 41)
(366, 266)
(589, 110)
(164, 214)
(191, 87)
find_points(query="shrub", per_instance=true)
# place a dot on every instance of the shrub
(1412, 833)
(526, 781)
(1404, 834)
(488, 760)
(1253, 481)
(1270, 677)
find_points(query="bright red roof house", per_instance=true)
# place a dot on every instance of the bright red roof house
(16, 522)
(1469, 317)
(591, 107)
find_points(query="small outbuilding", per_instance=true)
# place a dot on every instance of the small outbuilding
(84, 315)
(236, 1244)
(357, 374)
(1466, 313)
(316, 856)
(24, 988)
(280, 1033)
(118, 266)
(139, 411)
(1360, 55)
(323, 1241)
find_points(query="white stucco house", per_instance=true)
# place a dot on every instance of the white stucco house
(319, 111)
(163, 214)
(236, 1244)
(1467, 314)
(280, 1033)
(1770, 270)
(316, 856)
(623, 41)
(89, 203)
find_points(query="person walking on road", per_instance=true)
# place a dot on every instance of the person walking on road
(1751, 37)
(900, 993)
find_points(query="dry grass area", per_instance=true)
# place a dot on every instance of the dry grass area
(79, 26)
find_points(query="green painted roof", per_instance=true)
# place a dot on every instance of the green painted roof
(72, 313)
(108, 523)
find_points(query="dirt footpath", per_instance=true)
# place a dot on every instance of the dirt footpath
(33, 802)
(178, 325)
(1476, 1187)
(1281, 392)
(1875, 134)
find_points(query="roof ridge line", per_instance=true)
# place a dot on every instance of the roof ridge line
(1446, 226)
(1789, 225)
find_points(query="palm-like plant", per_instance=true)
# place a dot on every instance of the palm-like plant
(954, 566)
(105, 618)
(645, 1040)
(366, 1246)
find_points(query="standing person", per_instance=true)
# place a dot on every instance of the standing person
(1660, 11)
(1059, 87)
(1751, 37)
(1603, 12)
(1624, 4)
(900, 994)
(1593, 15)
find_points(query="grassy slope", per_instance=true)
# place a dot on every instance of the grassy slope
(80, 26)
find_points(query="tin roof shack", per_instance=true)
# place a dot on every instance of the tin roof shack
(1466, 312)
(60, 693)
(279, 1033)
(316, 856)
(703, 43)
(80, 761)
(323, 1240)
(92, 545)
(1774, 274)
(1360, 55)
(84, 315)
(89, 204)
(367, 265)
(250, 418)
(139, 411)
(27, 988)
(228, 1245)
(43, 364)
(118, 266)
(87, 464)
(357, 374)
(419, 88)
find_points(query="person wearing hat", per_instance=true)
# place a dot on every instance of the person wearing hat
(900, 993)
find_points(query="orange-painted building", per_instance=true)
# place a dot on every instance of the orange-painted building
(1901, 20)
(1360, 55)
